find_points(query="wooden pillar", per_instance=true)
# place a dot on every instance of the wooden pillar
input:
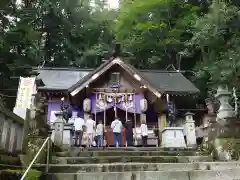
(162, 123)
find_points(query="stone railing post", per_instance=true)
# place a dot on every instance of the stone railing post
(189, 127)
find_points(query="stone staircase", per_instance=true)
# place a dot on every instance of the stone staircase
(138, 164)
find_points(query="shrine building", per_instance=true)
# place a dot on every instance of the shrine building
(116, 88)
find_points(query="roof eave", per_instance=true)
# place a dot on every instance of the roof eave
(52, 89)
(182, 92)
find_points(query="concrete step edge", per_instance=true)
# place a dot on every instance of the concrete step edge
(139, 163)
(109, 157)
(167, 171)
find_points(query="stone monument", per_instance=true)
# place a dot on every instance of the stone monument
(189, 126)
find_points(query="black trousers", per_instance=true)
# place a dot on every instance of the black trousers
(129, 138)
(144, 141)
(78, 138)
(199, 141)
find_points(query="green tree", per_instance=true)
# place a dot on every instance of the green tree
(57, 33)
(154, 31)
(216, 40)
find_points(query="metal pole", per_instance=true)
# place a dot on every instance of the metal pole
(95, 113)
(135, 119)
(125, 122)
(95, 118)
(104, 124)
(48, 152)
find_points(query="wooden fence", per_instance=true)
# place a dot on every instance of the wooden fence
(11, 131)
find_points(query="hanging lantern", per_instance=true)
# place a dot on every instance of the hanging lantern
(87, 105)
(143, 105)
(130, 97)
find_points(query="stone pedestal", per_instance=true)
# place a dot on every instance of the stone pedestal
(58, 127)
(172, 137)
(189, 126)
(68, 135)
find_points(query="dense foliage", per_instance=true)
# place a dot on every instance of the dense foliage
(56, 33)
(199, 37)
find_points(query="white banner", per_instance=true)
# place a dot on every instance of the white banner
(25, 91)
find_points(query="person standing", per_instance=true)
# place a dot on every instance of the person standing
(117, 130)
(90, 128)
(78, 126)
(144, 133)
(129, 132)
(99, 134)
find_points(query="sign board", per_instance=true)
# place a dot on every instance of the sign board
(25, 91)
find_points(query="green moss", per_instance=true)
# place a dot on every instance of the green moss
(17, 174)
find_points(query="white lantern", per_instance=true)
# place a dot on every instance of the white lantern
(87, 105)
(143, 105)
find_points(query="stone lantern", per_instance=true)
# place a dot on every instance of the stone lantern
(189, 127)
(225, 110)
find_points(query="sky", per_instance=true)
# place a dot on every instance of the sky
(113, 4)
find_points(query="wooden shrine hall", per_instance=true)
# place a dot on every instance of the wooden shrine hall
(116, 88)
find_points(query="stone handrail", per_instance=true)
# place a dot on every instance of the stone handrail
(11, 131)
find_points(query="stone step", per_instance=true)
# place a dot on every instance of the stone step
(137, 149)
(122, 159)
(85, 153)
(128, 167)
(229, 174)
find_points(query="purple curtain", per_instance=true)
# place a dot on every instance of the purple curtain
(130, 106)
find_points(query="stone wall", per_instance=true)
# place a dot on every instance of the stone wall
(11, 131)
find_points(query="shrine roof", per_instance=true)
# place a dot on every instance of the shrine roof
(166, 81)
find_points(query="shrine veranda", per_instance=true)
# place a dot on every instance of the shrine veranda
(117, 89)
